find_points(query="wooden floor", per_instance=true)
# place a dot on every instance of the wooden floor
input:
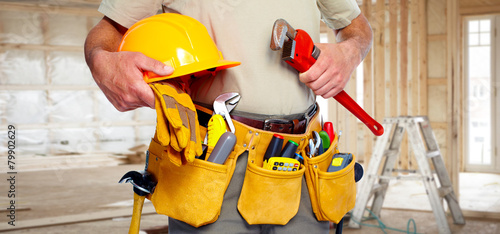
(91, 201)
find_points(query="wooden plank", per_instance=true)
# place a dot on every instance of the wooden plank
(83, 125)
(480, 10)
(368, 88)
(439, 125)
(403, 48)
(49, 87)
(414, 58)
(75, 218)
(379, 60)
(393, 58)
(437, 81)
(437, 37)
(422, 23)
(4, 46)
(351, 127)
(413, 84)
(454, 145)
(49, 9)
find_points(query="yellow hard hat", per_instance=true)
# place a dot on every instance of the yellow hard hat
(176, 40)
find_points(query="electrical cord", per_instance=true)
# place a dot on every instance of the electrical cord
(383, 227)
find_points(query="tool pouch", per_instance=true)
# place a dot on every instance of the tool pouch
(192, 192)
(268, 197)
(332, 194)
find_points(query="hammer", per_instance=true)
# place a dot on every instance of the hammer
(143, 184)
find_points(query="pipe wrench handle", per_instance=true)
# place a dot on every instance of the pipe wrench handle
(345, 100)
(305, 55)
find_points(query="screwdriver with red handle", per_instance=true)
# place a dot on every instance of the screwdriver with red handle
(300, 52)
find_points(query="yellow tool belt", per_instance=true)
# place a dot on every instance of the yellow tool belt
(193, 193)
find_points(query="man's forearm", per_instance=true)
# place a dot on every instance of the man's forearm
(105, 36)
(359, 34)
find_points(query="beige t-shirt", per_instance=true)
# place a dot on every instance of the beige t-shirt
(242, 30)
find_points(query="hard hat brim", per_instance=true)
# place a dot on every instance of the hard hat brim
(220, 64)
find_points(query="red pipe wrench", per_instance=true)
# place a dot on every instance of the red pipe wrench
(300, 52)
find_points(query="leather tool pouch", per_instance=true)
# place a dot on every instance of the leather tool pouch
(193, 192)
(267, 196)
(332, 194)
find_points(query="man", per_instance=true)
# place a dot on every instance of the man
(269, 88)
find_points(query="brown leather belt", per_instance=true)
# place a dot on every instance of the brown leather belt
(296, 126)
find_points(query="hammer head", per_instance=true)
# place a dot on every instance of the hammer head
(142, 181)
(282, 31)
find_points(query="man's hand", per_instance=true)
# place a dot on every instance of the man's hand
(331, 72)
(120, 77)
(120, 74)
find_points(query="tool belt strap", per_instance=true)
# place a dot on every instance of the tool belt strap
(276, 125)
(249, 137)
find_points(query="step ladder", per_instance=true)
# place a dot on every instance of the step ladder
(387, 147)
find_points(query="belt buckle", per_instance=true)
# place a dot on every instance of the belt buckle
(268, 122)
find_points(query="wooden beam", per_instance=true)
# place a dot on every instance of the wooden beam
(4, 46)
(83, 124)
(49, 8)
(379, 65)
(437, 37)
(480, 10)
(414, 58)
(368, 87)
(351, 126)
(75, 218)
(403, 108)
(393, 59)
(455, 96)
(422, 22)
(437, 81)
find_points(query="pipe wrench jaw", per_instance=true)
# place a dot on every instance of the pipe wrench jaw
(282, 32)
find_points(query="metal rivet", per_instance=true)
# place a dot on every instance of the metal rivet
(256, 133)
(315, 166)
(250, 132)
(253, 147)
(244, 145)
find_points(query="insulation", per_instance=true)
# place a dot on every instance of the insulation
(69, 30)
(68, 68)
(22, 67)
(20, 28)
(47, 91)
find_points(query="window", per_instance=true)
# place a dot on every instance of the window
(480, 56)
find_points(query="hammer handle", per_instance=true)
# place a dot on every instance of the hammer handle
(135, 223)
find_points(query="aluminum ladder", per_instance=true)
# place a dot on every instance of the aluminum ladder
(387, 148)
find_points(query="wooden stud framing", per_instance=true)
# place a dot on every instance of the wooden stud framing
(393, 62)
(403, 84)
(422, 22)
(379, 60)
(454, 95)
(368, 86)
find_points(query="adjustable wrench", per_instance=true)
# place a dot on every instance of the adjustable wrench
(300, 52)
(224, 104)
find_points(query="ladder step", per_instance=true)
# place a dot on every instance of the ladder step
(432, 154)
(389, 153)
(405, 171)
(443, 191)
(415, 177)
